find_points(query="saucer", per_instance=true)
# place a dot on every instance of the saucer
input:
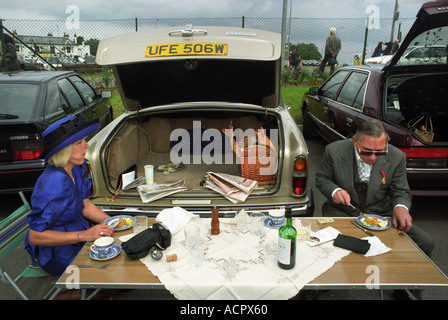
(268, 222)
(113, 253)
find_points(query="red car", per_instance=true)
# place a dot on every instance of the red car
(409, 96)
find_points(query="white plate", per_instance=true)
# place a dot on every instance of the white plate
(113, 220)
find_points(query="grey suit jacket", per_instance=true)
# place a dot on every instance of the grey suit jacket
(336, 171)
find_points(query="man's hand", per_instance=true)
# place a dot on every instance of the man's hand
(341, 197)
(401, 219)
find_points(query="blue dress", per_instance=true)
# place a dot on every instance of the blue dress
(57, 204)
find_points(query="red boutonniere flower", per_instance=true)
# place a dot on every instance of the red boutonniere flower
(383, 181)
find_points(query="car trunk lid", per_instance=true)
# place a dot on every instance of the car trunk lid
(432, 15)
(213, 64)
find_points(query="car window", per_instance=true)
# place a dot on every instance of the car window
(359, 101)
(352, 89)
(71, 94)
(86, 90)
(53, 102)
(18, 100)
(330, 88)
(429, 47)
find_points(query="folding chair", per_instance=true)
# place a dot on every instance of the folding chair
(13, 230)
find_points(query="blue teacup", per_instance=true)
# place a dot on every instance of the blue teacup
(276, 218)
(102, 246)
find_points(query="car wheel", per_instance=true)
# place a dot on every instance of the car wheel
(308, 125)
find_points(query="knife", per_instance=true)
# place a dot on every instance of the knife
(354, 208)
(365, 230)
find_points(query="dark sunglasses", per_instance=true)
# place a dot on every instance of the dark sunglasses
(377, 153)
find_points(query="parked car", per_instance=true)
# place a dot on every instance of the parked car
(31, 64)
(398, 94)
(83, 64)
(30, 102)
(432, 54)
(66, 61)
(180, 87)
(54, 61)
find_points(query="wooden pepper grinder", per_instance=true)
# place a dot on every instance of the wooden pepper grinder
(215, 221)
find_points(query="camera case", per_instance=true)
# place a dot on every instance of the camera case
(152, 240)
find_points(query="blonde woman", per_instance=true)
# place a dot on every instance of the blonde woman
(62, 216)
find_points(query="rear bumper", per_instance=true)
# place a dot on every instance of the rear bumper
(428, 182)
(20, 176)
(303, 209)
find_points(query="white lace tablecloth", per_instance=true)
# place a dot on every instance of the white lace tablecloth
(240, 266)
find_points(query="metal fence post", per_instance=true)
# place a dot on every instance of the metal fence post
(3, 63)
(365, 41)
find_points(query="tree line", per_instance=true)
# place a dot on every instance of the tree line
(307, 51)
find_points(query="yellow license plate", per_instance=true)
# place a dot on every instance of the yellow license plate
(187, 49)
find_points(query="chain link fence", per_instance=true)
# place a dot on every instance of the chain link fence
(351, 31)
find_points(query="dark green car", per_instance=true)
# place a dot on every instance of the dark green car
(30, 101)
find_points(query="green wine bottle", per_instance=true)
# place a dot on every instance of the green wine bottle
(287, 236)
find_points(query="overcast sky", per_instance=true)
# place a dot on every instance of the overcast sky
(123, 9)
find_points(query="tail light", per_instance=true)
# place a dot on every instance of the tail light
(427, 158)
(425, 153)
(299, 176)
(26, 147)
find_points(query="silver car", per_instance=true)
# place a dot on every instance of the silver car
(184, 89)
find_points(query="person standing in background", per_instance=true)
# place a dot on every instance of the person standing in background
(332, 48)
(10, 54)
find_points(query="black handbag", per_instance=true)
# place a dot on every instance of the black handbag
(152, 240)
(332, 61)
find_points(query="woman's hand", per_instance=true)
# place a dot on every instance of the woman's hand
(61, 238)
(95, 232)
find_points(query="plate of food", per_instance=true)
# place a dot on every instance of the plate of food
(373, 222)
(122, 222)
(170, 167)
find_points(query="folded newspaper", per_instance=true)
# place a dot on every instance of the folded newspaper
(151, 192)
(234, 188)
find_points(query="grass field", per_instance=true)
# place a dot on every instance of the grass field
(292, 97)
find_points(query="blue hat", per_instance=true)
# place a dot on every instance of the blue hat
(66, 131)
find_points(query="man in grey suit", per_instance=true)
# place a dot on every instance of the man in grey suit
(332, 48)
(370, 174)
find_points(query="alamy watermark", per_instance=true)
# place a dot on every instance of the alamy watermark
(373, 280)
(213, 146)
(73, 278)
(374, 16)
(72, 22)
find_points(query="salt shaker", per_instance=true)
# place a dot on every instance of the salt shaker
(215, 221)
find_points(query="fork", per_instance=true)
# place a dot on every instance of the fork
(91, 266)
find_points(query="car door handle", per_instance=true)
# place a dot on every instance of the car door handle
(349, 121)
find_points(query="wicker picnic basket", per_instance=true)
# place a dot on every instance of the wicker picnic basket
(256, 155)
(422, 126)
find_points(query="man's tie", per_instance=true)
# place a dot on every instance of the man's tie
(363, 174)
